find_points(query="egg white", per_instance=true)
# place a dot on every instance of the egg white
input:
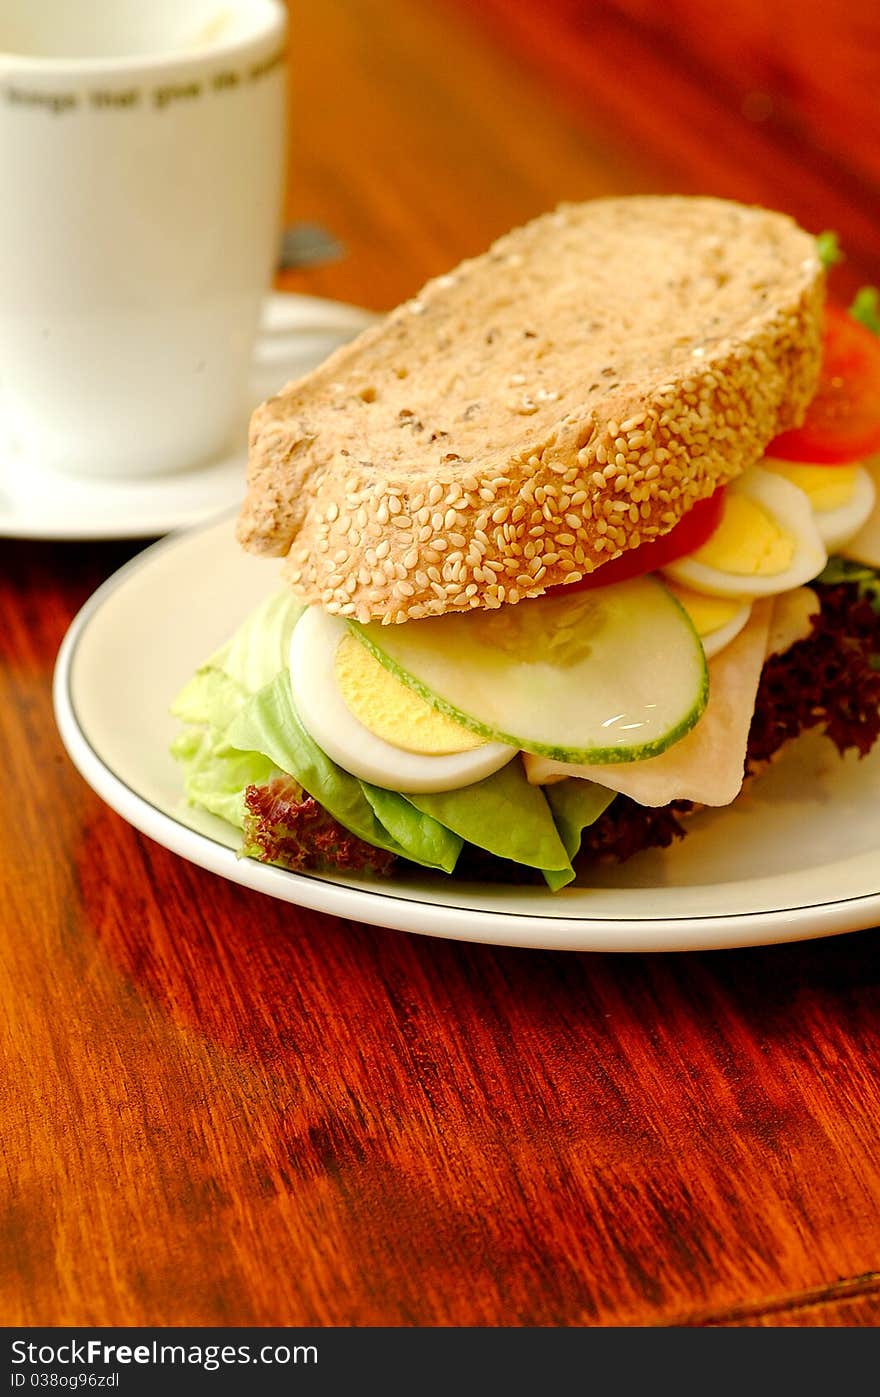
(790, 508)
(864, 546)
(715, 638)
(838, 525)
(325, 716)
(713, 641)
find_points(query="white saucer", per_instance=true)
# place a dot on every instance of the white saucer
(296, 334)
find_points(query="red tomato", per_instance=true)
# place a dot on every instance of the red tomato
(686, 536)
(843, 420)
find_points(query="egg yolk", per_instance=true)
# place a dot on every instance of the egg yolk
(393, 711)
(748, 541)
(708, 614)
(828, 487)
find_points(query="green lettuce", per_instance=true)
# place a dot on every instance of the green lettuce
(866, 308)
(270, 724)
(216, 776)
(575, 805)
(860, 575)
(242, 729)
(507, 817)
(260, 648)
(430, 842)
(829, 249)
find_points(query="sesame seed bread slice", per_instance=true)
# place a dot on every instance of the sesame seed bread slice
(565, 396)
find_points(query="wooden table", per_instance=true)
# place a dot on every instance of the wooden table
(218, 1109)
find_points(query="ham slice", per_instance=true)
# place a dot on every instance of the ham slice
(707, 765)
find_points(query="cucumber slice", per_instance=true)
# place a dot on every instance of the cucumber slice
(611, 674)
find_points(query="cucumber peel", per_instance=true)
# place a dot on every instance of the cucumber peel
(608, 674)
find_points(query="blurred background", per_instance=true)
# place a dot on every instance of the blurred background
(422, 128)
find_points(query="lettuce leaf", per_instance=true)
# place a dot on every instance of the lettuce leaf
(220, 764)
(270, 724)
(209, 699)
(286, 826)
(259, 648)
(866, 308)
(842, 570)
(576, 804)
(829, 249)
(504, 815)
(216, 776)
(428, 842)
(244, 732)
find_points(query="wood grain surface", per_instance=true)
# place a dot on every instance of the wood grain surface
(219, 1109)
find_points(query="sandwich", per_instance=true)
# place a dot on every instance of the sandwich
(572, 544)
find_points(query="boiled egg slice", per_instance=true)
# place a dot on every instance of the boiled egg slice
(842, 497)
(716, 620)
(767, 541)
(371, 724)
(864, 547)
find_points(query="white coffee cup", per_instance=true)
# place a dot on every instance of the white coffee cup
(142, 175)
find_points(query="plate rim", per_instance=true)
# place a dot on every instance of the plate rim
(373, 905)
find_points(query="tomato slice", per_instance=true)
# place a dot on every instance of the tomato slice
(843, 420)
(689, 534)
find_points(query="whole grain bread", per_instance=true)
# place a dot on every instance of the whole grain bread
(565, 396)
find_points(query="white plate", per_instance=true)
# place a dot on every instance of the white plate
(296, 333)
(796, 857)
